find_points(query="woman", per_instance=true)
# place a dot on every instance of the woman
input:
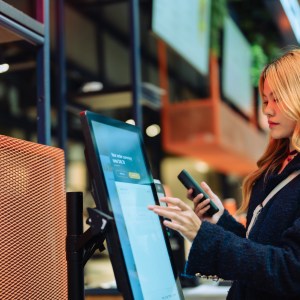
(265, 263)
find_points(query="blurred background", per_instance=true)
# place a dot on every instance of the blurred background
(185, 72)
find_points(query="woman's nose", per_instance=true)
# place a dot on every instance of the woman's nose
(268, 110)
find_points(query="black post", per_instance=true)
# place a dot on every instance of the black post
(136, 77)
(74, 256)
(61, 75)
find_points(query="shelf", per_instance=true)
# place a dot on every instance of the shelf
(15, 25)
(208, 129)
(220, 137)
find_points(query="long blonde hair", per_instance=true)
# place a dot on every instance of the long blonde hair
(283, 76)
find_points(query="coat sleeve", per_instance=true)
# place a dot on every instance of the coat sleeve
(230, 224)
(216, 251)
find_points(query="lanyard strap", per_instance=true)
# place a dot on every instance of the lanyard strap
(258, 209)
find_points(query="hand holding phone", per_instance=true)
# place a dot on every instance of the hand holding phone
(189, 182)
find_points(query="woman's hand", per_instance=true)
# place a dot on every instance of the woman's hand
(200, 208)
(183, 219)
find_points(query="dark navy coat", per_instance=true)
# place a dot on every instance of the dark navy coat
(267, 265)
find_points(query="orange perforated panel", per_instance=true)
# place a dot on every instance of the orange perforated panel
(32, 221)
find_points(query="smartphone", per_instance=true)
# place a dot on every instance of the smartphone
(190, 183)
(160, 191)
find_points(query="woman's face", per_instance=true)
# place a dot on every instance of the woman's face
(280, 125)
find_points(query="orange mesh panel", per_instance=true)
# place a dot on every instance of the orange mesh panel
(32, 221)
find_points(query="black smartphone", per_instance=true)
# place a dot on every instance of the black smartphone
(160, 191)
(189, 182)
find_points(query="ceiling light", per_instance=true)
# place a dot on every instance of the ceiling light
(153, 130)
(93, 86)
(130, 121)
(4, 68)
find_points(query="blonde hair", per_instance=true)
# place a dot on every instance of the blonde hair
(283, 76)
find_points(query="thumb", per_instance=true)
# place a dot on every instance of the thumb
(207, 189)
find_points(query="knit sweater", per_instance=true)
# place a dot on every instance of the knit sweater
(267, 264)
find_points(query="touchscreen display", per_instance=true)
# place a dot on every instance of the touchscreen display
(130, 190)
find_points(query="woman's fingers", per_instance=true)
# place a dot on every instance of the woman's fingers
(189, 194)
(173, 225)
(202, 208)
(175, 202)
(166, 212)
(185, 222)
(207, 189)
(171, 213)
(199, 202)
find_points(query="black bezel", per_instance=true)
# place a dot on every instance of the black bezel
(101, 197)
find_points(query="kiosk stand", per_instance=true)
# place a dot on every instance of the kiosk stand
(81, 246)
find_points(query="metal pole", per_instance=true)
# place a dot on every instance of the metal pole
(61, 75)
(74, 256)
(43, 77)
(136, 62)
